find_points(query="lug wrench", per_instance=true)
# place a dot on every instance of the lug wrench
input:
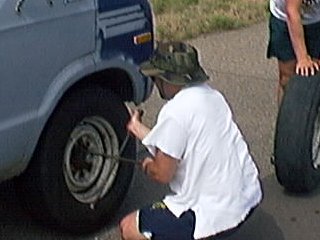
(115, 158)
(121, 149)
(141, 155)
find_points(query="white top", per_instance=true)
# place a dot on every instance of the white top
(310, 11)
(216, 176)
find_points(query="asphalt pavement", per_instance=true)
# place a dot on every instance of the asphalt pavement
(236, 63)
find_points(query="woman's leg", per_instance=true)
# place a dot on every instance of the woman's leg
(286, 71)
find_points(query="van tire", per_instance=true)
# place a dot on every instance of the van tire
(297, 128)
(43, 185)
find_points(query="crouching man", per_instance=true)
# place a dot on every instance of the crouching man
(197, 149)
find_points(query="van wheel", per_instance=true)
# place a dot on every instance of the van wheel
(66, 183)
(297, 137)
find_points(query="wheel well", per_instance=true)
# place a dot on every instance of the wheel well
(113, 79)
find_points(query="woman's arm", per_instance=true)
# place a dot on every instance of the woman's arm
(304, 61)
(305, 65)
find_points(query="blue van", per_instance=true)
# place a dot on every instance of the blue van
(67, 68)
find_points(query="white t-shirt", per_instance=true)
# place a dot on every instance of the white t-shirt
(310, 10)
(216, 176)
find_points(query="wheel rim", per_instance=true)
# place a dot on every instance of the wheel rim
(316, 142)
(89, 176)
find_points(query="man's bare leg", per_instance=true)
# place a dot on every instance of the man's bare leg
(129, 228)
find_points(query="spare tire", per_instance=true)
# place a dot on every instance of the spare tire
(297, 135)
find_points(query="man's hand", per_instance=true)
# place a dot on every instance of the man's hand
(135, 120)
(135, 126)
(307, 67)
(144, 164)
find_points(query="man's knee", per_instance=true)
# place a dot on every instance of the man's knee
(128, 228)
(125, 226)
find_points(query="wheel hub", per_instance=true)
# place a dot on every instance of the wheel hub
(316, 142)
(89, 177)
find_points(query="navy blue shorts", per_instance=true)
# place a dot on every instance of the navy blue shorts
(280, 45)
(157, 222)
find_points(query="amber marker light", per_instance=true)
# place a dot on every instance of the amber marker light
(142, 38)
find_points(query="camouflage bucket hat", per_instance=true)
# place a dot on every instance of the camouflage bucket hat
(176, 63)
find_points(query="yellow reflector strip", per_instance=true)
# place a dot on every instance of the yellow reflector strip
(142, 38)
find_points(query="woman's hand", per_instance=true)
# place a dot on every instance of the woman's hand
(307, 67)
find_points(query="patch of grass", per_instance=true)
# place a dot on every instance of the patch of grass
(161, 6)
(183, 19)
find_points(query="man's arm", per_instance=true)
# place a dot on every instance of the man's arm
(161, 167)
(136, 127)
(304, 61)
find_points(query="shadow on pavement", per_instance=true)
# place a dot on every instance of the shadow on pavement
(260, 226)
(297, 215)
(16, 224)
(277, 217)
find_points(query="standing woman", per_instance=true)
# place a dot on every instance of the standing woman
(294, 38)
